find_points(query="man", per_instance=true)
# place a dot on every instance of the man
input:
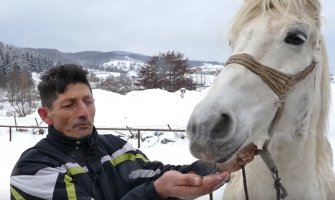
(74, 162)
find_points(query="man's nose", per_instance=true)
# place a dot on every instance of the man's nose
(82, 109)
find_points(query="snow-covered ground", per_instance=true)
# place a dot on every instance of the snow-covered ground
(145, 109)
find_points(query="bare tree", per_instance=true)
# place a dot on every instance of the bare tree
(119, 84)
(21, 93)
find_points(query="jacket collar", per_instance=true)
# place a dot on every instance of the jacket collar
(58, 138)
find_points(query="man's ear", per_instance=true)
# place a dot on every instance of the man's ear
(44, 114)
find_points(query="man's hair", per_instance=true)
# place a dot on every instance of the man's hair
(55, 80)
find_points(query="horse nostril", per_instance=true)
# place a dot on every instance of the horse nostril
(222, 127)
(191, 128)
(225, 118)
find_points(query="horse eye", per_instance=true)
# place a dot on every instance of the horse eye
(296, 38)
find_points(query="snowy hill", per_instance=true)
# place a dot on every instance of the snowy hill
(98, 58)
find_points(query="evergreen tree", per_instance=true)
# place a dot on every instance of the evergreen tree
(16, 65)
(27, 59)
(148, 74)
(167, 71)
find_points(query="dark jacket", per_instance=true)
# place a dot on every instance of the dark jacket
(96, 167)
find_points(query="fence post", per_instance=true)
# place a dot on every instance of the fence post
(138, 139)
(36, 123)
(15, 122)
(10, 133)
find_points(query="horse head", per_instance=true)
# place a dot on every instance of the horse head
(278, 67)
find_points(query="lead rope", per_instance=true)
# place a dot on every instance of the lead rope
(280, 83)
(281, 192)
(245, 183)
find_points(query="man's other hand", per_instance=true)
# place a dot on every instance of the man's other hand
(188, 186)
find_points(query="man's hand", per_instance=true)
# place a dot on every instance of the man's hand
(188, 186)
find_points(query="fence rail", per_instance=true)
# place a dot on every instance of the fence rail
(137, 130)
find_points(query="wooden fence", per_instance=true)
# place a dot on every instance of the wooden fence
(135, 132)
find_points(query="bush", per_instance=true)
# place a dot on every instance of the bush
(119, 84)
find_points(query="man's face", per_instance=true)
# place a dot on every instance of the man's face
(72, 113)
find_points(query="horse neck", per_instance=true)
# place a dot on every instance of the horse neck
(303, 159)
(296, 163)
(296, 139)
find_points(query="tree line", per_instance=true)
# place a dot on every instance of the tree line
(15, 61)
(16, 67)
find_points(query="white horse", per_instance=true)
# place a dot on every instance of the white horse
(275, 87)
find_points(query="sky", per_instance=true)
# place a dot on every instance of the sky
(142, 109)
(194, 27)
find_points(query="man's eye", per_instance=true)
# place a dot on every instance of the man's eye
(67, 105)
(89, 101)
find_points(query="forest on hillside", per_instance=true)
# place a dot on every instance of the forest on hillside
(169, 71)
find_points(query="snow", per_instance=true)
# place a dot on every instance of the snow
(125, 64)
(138, 109)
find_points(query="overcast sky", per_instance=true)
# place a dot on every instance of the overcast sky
(193, 27)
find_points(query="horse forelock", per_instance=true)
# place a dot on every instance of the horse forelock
(290, 9)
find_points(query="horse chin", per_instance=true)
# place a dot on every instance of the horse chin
(229, 156)
(214, 151)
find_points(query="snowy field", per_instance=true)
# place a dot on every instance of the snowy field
(145, 109)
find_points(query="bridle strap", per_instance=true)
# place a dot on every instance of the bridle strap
(281, 83)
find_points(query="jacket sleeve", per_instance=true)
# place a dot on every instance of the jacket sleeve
(139, 173)
(199, 167)
(37, 178)
(145, 191)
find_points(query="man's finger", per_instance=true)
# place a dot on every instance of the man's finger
(217, 178)
(189, 179)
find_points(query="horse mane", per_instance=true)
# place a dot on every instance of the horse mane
(285, 8)
(324, 154)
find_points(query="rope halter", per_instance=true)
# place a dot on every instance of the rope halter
(281, 84)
